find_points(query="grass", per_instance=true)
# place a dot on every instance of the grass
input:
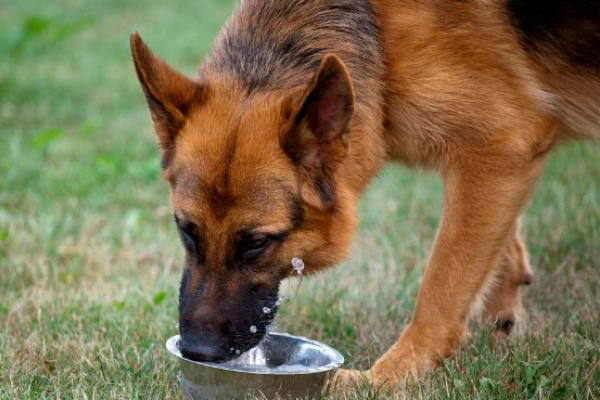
(90, 260)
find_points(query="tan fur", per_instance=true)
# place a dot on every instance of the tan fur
(472, 105)
(462, 97)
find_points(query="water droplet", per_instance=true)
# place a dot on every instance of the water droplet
(237, 351)
(253, 329)
(231, 350)
(266, 310)
(298, 264)
(278, 302)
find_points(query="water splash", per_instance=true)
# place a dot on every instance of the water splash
(253, 329)
(253, 358)
(266, 310)
(298, 265)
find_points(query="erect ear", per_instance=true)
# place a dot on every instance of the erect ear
(318, 138)
(170, 95)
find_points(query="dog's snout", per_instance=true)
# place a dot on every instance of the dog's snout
(205, 343)
(219, 319)
(200, 350)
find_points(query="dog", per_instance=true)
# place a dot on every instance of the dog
(302, 102)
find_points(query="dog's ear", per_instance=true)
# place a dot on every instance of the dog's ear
(170, 95)
(317, 137)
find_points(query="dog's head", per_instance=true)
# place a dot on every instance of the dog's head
(255, 181)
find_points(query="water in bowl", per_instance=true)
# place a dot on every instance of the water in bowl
(280, 355)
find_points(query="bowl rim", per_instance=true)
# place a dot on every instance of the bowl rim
(337, 359)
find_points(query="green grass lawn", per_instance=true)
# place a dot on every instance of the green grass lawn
(90, 260)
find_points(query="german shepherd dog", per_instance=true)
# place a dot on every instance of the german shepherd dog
(300, 104)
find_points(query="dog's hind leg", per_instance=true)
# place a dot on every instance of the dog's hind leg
(501, 300)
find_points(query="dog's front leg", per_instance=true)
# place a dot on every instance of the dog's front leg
(483, 195)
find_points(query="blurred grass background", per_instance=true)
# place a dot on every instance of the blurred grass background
(90, 260)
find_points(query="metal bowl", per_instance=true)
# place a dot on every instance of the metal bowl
(282, 365)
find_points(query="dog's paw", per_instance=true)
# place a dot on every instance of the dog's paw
(510, 324)
(346, 380)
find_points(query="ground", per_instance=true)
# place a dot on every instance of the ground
(90, 261)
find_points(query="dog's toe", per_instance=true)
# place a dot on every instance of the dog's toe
(511, 324)
(505, 324)
(348, 379)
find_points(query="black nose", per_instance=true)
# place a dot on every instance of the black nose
(201, 352)
(205, 345)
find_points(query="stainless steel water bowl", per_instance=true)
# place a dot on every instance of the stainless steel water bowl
(281, 366)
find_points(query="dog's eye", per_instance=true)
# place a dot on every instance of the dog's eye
(255, 245)
(258, 242)
(187, 233)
